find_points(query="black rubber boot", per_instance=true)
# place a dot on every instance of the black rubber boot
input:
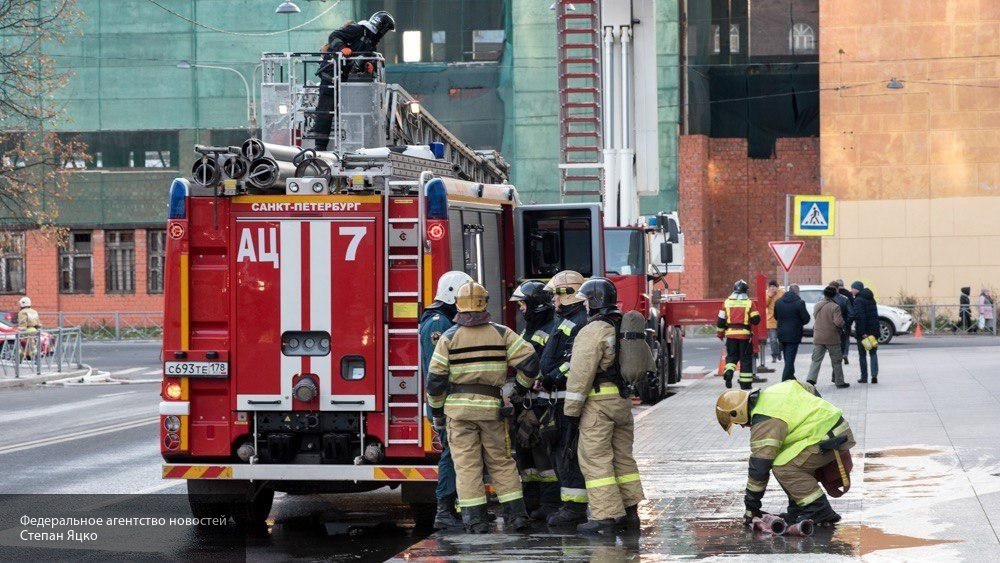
(569, 514)
(874, 379)
(792, 516)
(819, 511)
(474, 518)
(728, 377)
(745, 386)
(597, 527)
(543, 511)
(630, 522)
(447, 518)
(515, 518)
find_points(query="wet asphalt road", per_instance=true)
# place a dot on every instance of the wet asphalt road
(102, 440)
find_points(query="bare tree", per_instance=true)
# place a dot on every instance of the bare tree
(35, 162)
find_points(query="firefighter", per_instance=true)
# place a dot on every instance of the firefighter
(435, 321)
(572, 315)
(467, 370)
(793, 433)
(538, 476)
(596, 394)
(29, 322)
(361, 37)
(736, 317)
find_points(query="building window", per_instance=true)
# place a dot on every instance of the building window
(119, 261)
(716, 40)
(801, 39)
(412, 47)
(442, 30)
(12, 263)
(76, 263)
(156, 252)
(734, 38)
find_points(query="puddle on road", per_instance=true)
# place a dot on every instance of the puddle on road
(869, 539)
(902, 452)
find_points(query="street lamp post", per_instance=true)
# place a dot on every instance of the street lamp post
(251, 111)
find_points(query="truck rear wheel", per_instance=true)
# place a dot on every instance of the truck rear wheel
(248, 504)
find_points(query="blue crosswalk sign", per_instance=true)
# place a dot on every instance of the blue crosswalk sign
(813, 215)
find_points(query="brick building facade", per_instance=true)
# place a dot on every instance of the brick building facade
(83, 291)
(730, 209)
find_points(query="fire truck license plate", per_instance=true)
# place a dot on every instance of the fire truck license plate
(197, 369)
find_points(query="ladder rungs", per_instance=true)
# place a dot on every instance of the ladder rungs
(579, 61)
(578, 75)
(578, 46)
(582, 149)
(580, 133)
(581, 105)
(403, 294)
(394, 405)
(582, 178)
(401, 257)
(403, 220)
(402, 331)
(402, 368)
(401, 441)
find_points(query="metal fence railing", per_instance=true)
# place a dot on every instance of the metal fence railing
(937, 318)
(50, 350)
(109, 325)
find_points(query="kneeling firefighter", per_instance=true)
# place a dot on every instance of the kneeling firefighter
(538, 476)
(736, 317)
(801, 438)
(597, 393)
(467, 371)
(572, 316)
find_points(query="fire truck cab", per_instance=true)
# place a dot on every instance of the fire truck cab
(294, 281)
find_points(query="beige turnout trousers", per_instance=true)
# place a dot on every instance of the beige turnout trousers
(605, 453)
(476, 444)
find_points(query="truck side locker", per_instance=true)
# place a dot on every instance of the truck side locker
(550, 238)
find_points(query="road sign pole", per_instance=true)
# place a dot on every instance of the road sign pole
(788, 226)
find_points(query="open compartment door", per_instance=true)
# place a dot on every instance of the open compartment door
(556, 237)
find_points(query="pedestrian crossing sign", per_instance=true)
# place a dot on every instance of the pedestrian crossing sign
(813, 215)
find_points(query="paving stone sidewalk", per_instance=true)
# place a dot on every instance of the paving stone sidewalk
(926, 475)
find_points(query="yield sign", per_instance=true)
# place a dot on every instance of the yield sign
(786, 251)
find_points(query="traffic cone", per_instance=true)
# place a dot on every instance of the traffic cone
(722, 364)
(919, 332)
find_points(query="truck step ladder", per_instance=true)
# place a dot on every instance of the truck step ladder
(403, 385)
(578, 39)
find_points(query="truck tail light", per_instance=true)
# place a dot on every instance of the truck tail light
(172, 389)
(171, 423)
(305, 343)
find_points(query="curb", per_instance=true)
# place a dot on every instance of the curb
(30, 381)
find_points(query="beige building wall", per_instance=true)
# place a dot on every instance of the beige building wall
(916, 170)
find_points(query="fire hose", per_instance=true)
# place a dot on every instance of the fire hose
(773, 524)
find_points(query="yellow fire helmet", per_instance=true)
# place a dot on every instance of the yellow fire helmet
(471, 298)
(732, 408)
(565, 285)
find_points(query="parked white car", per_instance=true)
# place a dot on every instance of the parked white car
(891, 320)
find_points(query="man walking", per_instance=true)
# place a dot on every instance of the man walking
(435, 321)
(865, 313)
(827, 325)
(791, 315)
(846, 304)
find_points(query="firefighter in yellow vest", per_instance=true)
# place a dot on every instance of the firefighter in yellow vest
(595, 392)
(736, 318)
(793, 434)
(28, 321)
(467, 371)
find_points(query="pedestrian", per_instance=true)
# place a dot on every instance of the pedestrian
(435, 321)
(848, 320)
(467, 371)
(360, 37)
(736, 317)
(595, 392)
(964, 310)
(865, 314)
(828, 322)
(555, 362)
(791, 314)
(774, 292)
(534, 461)
(987, 316)
(798, 436)
(845, 311)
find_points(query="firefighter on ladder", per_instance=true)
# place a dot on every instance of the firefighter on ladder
(801, 438)
(572, 315)
(596, 397)
(467, 371)
(435, 321)
(533, 420)
(736, 318)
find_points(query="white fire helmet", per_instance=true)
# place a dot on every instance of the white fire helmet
(448, 285)
(25, 302)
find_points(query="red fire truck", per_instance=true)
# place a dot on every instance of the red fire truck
(294, 280)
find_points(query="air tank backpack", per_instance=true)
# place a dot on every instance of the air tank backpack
(635, 358)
